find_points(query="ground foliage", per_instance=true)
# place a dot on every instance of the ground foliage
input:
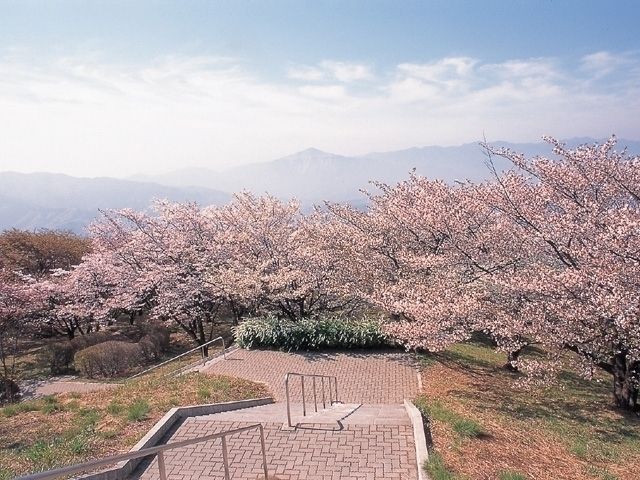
(567, 431)
(70, 428)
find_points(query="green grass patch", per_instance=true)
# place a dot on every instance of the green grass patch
(467, 428)
(204, 393)
(115, 408)
(464, 427)
(437, 469)
(601, 473)
(509, 475)
(6, 474)
(138, 410)
(51, 404)
(22, 407)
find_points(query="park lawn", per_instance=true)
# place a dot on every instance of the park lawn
(69, 428)
(485, 427)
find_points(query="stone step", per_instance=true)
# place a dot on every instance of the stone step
(345, 413)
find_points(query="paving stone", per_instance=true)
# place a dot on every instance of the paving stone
(372, 378)
(369, 436)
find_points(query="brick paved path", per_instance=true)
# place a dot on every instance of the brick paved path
(385, 377)
(360, 450)
(371, 441)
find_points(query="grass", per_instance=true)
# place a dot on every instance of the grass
(138, 410)
(436, 410)
(566, 431)
(509, 475)
(54, 431)
(437, 469)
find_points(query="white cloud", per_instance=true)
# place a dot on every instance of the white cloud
(327, 92)
(91, 117)
(305, 72)
(347, 72)
(603, 63)
(330, 70)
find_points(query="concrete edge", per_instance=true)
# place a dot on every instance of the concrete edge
(419, 438)
(162, 426)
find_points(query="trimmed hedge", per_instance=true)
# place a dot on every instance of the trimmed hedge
(109, 359)
(312, 334)
(153, 340)
(59, 355)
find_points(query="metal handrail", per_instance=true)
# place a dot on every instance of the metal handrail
(315, 399)
(159, 451)
(199, 347)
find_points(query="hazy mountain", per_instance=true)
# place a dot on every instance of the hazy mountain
(313, 175)
(47, 200)
(44, 200)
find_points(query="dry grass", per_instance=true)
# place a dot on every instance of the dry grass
(70, 428)
(567, 431)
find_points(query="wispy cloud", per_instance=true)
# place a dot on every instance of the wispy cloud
(85, 115)
(330, 70)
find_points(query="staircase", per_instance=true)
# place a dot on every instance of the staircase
(344, 441)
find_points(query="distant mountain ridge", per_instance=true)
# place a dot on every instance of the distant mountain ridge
(48, 200)
(313, 176)
(57, 201)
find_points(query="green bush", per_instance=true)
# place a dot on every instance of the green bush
(109, 359)
(311, 334)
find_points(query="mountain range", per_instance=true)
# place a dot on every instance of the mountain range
(47, 200)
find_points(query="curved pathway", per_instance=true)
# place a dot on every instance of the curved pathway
(385, 377)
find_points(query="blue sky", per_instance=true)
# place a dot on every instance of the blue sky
(117, 87)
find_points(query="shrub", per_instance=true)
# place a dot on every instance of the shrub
(9, 390)
(90, 339)
(311, 334)
(108, 359)
(154, 342)
(59, 356)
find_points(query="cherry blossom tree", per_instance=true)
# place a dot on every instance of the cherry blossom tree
(273, 260)
(579, 215)
(547, 253)
(18, 303)
(159, 262)
(406, 252)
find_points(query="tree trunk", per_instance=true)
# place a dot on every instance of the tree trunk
(626, 377)
(512, 358)
(202, 338)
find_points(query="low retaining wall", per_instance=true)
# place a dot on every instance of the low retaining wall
(153, 436)
(419, 437)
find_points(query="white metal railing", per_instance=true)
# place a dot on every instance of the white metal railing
(159, 451)
(324, 379)
(199, 347)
